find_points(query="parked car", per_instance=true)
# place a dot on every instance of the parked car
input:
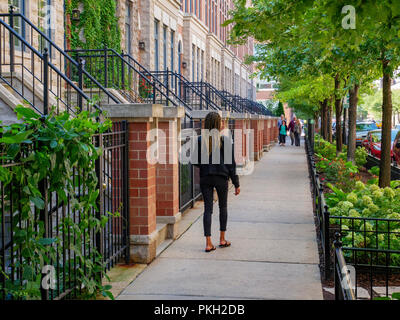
(373, 142)
(362, 129)
(396, 149)
(334, 130)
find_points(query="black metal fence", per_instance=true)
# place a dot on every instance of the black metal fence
(113, 198)
(187, 91)
(375, 162)
(321, 210)
(124, 74)
(189, 176)
(112, 241)
(344, 287)
(370, 245)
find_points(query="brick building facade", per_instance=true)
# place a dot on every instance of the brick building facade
(184, 36)
(187, 37)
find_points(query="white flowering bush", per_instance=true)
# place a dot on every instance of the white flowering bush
(358, 211)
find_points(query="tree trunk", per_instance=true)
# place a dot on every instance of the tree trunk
(330, 121)
(325, 122)
(345, 125)
(323, 116)
(338, 110)
(385, 167)
(351, 151)
(316, 123)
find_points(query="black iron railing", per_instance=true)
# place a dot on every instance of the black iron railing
(112, 241)
(373, 161)
(370, 245)
(189, 175)
(186, 90)
(241, 104)
(321, 210)
(213, 94)
(23, 61)
(365, 273)
(124, 74)
(344, 289)
(35, 79)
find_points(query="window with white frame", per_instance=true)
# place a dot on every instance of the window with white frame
(165, 47)
(172, 47)
(20, 6)
(156, 46)
(128, 28)
(193, 62)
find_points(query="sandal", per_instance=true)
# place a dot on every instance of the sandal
(226, 244)
(209, 250)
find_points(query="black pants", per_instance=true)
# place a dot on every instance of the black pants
(207, 185)
(282, 138)
(297, 139)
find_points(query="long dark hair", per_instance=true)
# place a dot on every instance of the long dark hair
(212, 121)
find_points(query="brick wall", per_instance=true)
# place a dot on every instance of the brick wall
(142, 181)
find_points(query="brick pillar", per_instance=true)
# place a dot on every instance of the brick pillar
(254, 125)
(275, 129)
(142, 176)
(261, 125)
(240, 146)
(267, 135)
(247, 140)
(168, 177)
(142, 194)
(271, 132)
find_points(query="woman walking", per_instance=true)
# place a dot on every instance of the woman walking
(297, 132)
(216, 174)
(282, 133)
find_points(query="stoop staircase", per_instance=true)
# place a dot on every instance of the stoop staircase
(36, 72)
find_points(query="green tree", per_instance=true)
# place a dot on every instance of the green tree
(323, 45)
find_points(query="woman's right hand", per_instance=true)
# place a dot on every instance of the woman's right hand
(237, 191)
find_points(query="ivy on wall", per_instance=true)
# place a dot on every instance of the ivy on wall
(97, 27)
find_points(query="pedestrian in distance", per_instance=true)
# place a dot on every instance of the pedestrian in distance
(215, 173)
(280, 120)
(291, 129)
(297, 132)
(283, 133)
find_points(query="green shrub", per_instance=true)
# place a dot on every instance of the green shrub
(54, 150)
(361, 157)
(367, 201)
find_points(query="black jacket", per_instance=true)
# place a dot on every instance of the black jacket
(222, 169)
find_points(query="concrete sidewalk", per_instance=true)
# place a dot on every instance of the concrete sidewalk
(274, 253)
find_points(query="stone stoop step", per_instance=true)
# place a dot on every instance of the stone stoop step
(162, 238)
